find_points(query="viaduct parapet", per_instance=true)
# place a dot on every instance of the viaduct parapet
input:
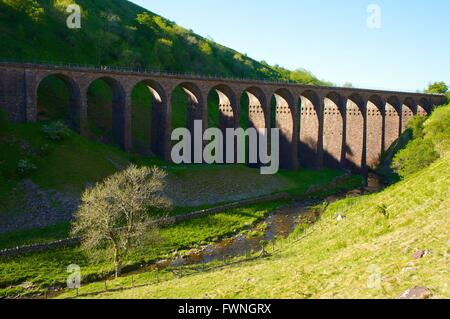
(319, 126)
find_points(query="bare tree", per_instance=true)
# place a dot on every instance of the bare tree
(115, 215)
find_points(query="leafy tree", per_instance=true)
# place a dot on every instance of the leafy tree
(205, 48)
(437, 88)
(114, 215)
(145, 19)
(31, 7)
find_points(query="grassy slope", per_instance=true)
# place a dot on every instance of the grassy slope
(59, 168)
(70, 164)
(112, 35)
(49, 268)
(335, 259)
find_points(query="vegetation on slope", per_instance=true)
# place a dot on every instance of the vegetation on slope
(69, 165)
(362, 247)
(344, 259)
(120, 33)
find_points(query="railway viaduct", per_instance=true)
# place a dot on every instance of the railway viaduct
(319, 126)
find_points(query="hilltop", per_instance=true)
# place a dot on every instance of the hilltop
(120, 33)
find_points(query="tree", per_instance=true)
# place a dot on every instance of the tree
(348, 85)
(437, 88)
(114, 217)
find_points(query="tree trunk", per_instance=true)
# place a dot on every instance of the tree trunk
(117, 263)
(118, 266)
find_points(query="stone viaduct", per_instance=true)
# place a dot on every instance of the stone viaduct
(319, 126)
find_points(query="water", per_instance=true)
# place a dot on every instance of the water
(280, 223)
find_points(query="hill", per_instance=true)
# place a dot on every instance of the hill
(120, 33)
(373, 246)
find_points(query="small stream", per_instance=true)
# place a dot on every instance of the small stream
(280, 223)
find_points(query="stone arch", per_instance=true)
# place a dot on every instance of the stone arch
(391, 121)
(284, 117)
(309, 128)
(73, 98)
(423, 107)
(194, 102)
(333, 131)
(408, 112)
(355, 132)
(256, 115)
(195, 111)
(228, 115)
(118, 117)
(149, 125)
(223, 111)
(374, 135)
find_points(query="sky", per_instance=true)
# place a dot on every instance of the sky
(397, 45)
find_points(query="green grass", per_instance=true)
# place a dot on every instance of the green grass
(112, 35)
(49, 268)
(335, 259)
(34, 236)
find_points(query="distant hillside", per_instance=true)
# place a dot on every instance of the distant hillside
(120, 33)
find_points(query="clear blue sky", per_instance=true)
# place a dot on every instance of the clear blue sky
(329, 37)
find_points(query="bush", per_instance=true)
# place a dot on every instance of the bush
(430, 140)
(417, 155)
(437, 129)
(416, 125)
(25, 167)
(56, 131)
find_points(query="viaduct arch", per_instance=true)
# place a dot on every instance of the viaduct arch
(319, 126)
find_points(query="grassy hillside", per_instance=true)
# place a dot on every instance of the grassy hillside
(337, 259)
(362, 247)
(120, 33)
(68, 166)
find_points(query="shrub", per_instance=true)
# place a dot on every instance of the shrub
(416, 125)
(56, 131)
(417, 155)
(25, 167)
(437, 129)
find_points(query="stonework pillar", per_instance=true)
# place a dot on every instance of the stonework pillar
(30, 96)
(321, 115)
(167, 130)
(127, 133)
